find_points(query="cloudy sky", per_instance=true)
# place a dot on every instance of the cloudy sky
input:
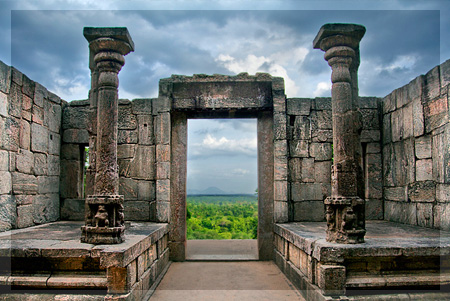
(44, 40)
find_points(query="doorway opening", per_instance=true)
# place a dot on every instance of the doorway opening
(222, 181)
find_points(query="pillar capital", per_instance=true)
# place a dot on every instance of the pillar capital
(115, 39)
(339, 34)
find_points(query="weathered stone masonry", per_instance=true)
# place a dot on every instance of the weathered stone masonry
(30, 123)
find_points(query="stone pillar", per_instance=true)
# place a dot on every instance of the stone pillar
(104, 219)
(345, 208)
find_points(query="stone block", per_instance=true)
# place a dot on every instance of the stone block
(53, 116)
(437, 157)
(298, 106)
(280, 212)
(280, 148)
(425, 215)
(322, 136)
(299, 148)
(294, 255)
(75, 117)
(24, 216)
(162, 153)
(295, 168)
(25, 199)
(25, 161)
(397, 125)
(162, 128)
(331, 279)
(309, 211)
(53, 165)
(408, 124)
(281, 191)
(163, 190)
(145, 128)
(422, 191)
(373, 148)
(9, 134)
(146, 191)
(368, 102)
(322, 172)
(374, 209)
(127, 120)
(5, 77)
(40, 164)
(6, 182)
(322, 103)
(163, 104)
(127, 137)
(370, 136)
(4, 160)
(435, 113)
(443, 193)
(72, 152)
(48, 184)
(128, 188)
(39, 94)
(388, 103)
(27, 104)
(161, 212)
(441, 216)
(8, 213)
(79, 136)
(409, 160)
(142, 106)
(39, 138)
(307, 192)
(321, 151)
(370, 119)
(117, 278)
(445, 73)
(395, 194)
(163, 170)
(25, 135)
(418, 118)
(126, 151)
(387, 129)
(424, 170)
(16, 76)
(137, 210)
(401, 97)
(321, 120)
(28, 86)
(24, 184)
(70, 180)
(280, 169)
(279, 126)
(54, 98)
(423, 147)
(72, 209)
(432, 87)
(37, 115)
(400, 212)
(308, 170)
(143, 164)
(46, 208)
(4, 104)
(15, 100)
(374, 186)
(54, 143)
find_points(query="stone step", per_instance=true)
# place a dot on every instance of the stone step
(56, 280)
(398, 279)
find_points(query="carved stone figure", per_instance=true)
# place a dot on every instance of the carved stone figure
(101, 217)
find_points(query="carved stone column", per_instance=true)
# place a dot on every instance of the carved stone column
(345, 210)
(104, 219)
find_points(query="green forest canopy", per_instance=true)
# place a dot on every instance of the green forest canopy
(222, 217)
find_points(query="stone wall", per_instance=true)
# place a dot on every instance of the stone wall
(416, 154)
(136, 153)
(30, 120)
(310, 139)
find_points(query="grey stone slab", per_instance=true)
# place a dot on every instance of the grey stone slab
(295, 168)
(39, 138)
(299, 148)
(280, 211)
(78, 136)
(441, 216)
(128, 188)
(422, 191)
(387, 129)
(370, 119)
(53, 116)
(374, 186)
(443, 193)
(374, 209)
(54, 143)
(72, 209)
(53, 163)
(281, 191)
(46, 208)
(435, 113)
(307, 192)
(162, 190)
(126, 120)
(397, 125)
(388, 103)
(418, 118)
(321, 151)
(72, 152)
(322, 103)
(309, 211)
(401, 97)
(38, 115)
(25, 161)
(298, 106)
(137, 210)
(4, 160)
(25, 135)
(9, 129)
(40, 164)
(70, 179)
(425, 215)
(432, 87)
(395, 194)
(126, 151)
(279, 126)
(8, 213)
(321, 120)
(145, 128)
(308, 170)
(162, 128)
(142, 166)
(4, 104)
(146, 190)
(423, 147)
(6, 182)
(24, 184)
(424, 170)
(322, 172)
(142, 106)
(15, 100)
(370, 136)
(48, 184)
(445, 73)
(5, 77)
(25, 216)
(127, 137)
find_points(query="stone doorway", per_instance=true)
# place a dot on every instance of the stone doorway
(241, 96)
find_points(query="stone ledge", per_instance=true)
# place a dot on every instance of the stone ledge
(382, 239)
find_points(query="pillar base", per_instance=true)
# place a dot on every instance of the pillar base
(104, 220)
(345, 220)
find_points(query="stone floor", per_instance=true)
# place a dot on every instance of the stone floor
(228, 249)
(245, 280)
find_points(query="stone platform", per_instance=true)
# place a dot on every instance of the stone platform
(222, 250)
(407, 261)
(50, 262)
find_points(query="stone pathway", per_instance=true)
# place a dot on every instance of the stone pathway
(245, 280)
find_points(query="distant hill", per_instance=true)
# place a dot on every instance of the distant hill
(211, 191)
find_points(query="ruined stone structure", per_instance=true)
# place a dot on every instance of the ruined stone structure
(352, 190)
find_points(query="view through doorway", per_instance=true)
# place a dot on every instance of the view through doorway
(222, 180)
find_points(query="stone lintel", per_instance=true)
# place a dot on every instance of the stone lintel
(117, 33)
(332, 29)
